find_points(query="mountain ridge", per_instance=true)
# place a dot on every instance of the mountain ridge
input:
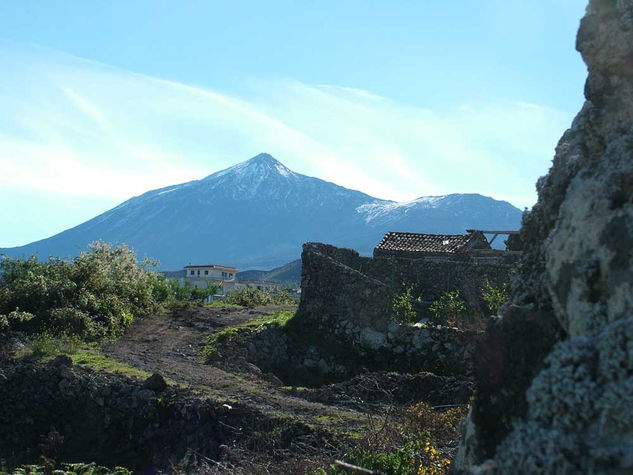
(258, 213)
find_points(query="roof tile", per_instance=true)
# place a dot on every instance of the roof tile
(431, 243)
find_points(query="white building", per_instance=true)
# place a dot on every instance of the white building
(263, 285)
(201, 275)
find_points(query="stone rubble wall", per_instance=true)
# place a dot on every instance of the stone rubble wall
(106, 418)
(349, 297)
(444, 351)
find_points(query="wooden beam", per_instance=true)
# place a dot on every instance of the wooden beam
(491, 232)
(354, 468)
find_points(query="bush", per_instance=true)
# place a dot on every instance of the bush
(495, 297)
(449, 309)
(440, 426)
(95, 295)
(253, 297)
(419, 457)
(67, 469)
(402, 307)
(191, 293)
(412, 445)
(44, 345)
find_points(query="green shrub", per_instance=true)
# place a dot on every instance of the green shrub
(68, 469)
(420, 457)
(415, 444)
(495, 297)
(402, 307)
(253, 297)
(449, 309)
(278, 319)
(44, 345)
(188, 292)
(422, 421)
(95, 295)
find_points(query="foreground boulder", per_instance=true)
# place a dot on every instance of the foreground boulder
(555, 372)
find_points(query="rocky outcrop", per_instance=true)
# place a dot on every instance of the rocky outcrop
(555, 374)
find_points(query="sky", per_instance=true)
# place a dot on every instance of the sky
(104, 100)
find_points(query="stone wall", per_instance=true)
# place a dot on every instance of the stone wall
(340, 283)
(349, 297)
(444, 351)
(106, 418)
(554, 388)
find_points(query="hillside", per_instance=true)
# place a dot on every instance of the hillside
(257, 214)
(290, 272)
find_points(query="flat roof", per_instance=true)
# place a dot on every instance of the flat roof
(213, 266)
(259, 282)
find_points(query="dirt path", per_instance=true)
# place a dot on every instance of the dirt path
(171, 345)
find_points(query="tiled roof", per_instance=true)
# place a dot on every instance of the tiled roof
(431, 243)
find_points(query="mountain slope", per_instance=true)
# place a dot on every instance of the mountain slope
(258, 213)
(290, 272)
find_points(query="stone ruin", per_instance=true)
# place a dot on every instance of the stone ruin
(554, 374)
(349, 297)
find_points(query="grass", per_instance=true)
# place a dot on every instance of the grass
(92, 358)
(277, 319)
(45, 347)
(222, 304)
(329, 420)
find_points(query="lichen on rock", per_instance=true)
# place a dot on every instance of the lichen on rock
(567, 407)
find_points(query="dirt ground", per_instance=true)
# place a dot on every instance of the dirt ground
(333, 416)
(172, 346)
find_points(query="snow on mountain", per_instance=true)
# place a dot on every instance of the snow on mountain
(258, 213)
(380, 209)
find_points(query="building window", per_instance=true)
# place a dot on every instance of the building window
(206, 272)
(192, 272)
(230, 276)
(198, 272)
(224, 275)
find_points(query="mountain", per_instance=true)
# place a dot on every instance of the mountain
(257, 214)
(288, 273)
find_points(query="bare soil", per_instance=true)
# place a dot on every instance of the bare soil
(171, 345)
(320, 423)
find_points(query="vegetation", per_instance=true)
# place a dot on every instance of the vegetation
(45, 346)
(414, 446)
(253, 297)
(191, 293)
(220, 303)
(449, 309)
(67, 469)
(402, 307)
(94, 296)
(495, 297)
(278, 319)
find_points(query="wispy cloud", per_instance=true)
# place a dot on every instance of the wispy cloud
(78, 127)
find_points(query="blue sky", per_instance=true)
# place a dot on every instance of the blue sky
(106, 100)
